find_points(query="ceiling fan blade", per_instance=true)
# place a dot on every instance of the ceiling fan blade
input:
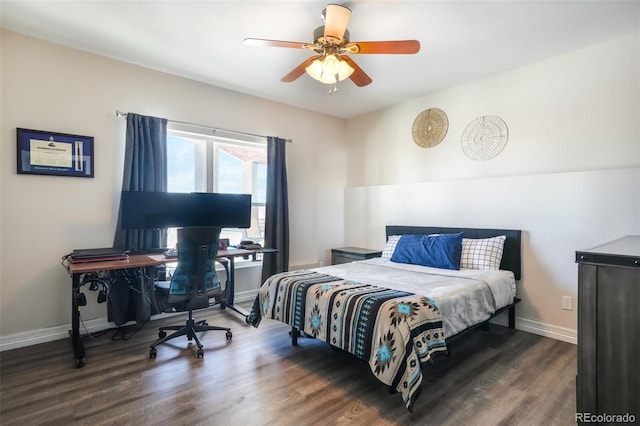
(359, 77)
(298, 71)
(335, 22)
(386, 47)
(277, 43)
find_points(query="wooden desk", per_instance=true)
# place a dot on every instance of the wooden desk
(135, 261)
(142, 261)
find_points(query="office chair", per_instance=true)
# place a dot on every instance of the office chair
(192, 284)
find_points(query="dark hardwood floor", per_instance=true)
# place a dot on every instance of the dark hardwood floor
(494, 377)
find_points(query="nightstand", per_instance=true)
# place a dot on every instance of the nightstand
(349, 254)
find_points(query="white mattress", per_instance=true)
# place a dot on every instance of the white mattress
(465, 297)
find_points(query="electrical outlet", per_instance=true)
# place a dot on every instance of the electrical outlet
(567, 303)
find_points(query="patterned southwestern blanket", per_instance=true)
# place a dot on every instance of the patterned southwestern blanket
(394, 331)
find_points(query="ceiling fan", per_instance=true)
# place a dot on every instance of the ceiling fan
(331, 43)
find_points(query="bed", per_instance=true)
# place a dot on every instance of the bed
(398, 312)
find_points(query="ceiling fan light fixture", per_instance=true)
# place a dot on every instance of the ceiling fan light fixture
(330, 65)
(345, 70)
(315, 69)
(329, 69)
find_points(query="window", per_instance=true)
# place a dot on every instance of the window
(197, 162)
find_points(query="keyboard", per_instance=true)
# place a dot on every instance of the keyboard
(172, 253)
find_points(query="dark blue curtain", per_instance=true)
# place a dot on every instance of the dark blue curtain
(276, 228)
(145, 169)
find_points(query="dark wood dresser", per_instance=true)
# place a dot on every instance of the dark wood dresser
(608, 381)
(349, 254)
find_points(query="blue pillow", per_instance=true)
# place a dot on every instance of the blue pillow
(438, 251)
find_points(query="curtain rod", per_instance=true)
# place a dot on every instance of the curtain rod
(124, 114)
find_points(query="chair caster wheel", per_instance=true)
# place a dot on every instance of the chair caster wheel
(162, 334)
(229, 335)
(152, 353)
(200, 353)
(79, 362)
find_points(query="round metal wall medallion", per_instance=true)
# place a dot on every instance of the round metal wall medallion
(485, 137)
(430, 127)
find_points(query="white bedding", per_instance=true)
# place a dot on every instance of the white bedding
(466, 297)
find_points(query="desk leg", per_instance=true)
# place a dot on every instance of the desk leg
(232, 281)
(76, 339)
(232, 290)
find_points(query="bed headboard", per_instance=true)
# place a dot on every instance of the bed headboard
(511, 256)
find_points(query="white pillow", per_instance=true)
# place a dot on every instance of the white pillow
(484, 253)
(390, 247)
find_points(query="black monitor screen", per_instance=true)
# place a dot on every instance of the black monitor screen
(175, 209)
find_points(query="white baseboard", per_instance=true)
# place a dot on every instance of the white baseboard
(43, 335)
(547, 330)
(34, 337)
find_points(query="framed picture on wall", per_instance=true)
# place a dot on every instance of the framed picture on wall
(57, 154)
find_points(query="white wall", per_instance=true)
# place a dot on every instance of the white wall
(578, 111)
(48, 87)
(568, 176)
(559, 213)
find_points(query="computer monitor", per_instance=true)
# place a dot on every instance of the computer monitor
(157, 210)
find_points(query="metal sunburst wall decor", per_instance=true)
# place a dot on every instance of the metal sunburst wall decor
(485, 137)
(430, 127)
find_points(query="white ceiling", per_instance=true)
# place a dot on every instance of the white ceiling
(202, 40)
